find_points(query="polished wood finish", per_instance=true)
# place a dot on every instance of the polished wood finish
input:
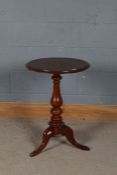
(57, 66)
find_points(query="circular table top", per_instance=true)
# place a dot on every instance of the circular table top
(57, 65)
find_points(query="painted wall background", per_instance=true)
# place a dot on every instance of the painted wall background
(85, 29)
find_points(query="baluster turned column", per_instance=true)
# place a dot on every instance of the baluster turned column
(56, 101)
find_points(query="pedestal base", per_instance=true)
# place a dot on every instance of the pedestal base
(56, 124)
(64, 131)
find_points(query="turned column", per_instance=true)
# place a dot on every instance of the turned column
(56, 101)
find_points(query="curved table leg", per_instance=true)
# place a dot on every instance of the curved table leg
(45, 139)
(68, 133)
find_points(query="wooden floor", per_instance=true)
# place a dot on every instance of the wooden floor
(71, 111)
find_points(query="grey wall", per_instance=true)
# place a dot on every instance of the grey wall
(85, 29)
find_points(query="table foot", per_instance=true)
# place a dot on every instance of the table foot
(45, 139)
(68, 133)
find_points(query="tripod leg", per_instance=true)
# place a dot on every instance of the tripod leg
(45, 139)
(68, 133)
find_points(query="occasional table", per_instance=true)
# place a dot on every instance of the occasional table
(57, 66)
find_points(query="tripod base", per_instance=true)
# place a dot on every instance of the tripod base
(64, 130)
(56, 125)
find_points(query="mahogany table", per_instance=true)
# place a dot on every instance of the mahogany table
(57, 66)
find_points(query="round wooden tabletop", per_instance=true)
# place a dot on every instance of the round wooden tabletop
(57, 65)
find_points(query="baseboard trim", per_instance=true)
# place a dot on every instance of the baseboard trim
(71, 111)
